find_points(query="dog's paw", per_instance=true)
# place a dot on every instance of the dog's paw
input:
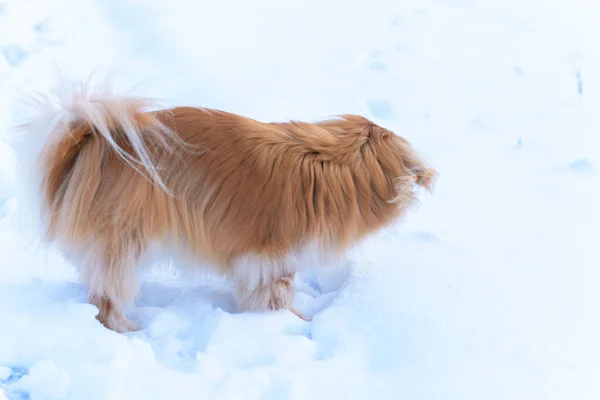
(125, 325)
(119, 324)
(298, 314)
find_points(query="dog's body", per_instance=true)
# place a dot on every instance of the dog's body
(244, 195)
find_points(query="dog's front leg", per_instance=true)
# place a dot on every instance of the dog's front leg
(263, 284)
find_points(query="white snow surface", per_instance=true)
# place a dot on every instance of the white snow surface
(489, 290)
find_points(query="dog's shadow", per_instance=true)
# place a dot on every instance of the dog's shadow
(160, 295)
(179, 322)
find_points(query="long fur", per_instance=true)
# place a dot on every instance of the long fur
(114, 177)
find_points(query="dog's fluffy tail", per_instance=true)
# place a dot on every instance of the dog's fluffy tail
(73, 137)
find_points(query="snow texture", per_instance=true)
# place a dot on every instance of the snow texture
(489, 290)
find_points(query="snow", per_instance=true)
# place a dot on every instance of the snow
(45, 381)
(487, 291)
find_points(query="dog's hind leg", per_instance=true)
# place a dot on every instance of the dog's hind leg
(111, 274)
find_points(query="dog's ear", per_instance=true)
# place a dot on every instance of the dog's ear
(377, 132)
(367, 126)
(360, 126)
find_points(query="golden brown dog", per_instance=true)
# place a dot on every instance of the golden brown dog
(115, 177)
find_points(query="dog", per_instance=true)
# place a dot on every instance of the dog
(113, 176)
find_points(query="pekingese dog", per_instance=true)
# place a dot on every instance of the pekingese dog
(114, 177)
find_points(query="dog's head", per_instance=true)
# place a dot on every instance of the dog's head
(401, 164)
(392, 166)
